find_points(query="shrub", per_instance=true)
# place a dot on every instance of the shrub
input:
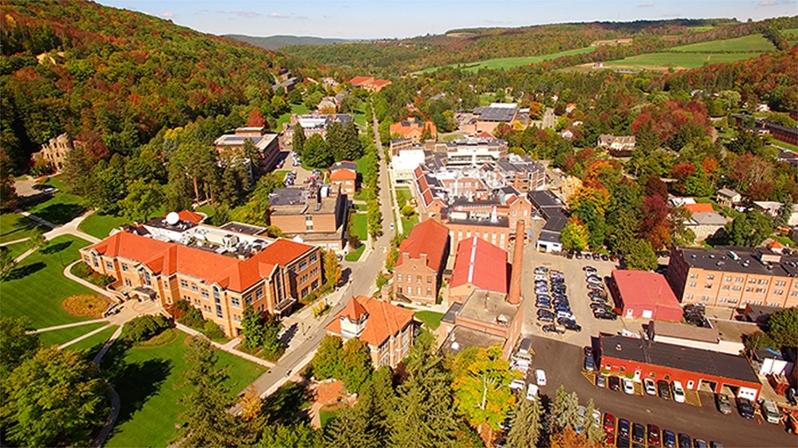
(85, 305)
(83, 271)
(212, 330)
(189, 316)
(143, 328)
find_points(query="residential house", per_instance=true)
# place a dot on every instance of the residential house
(704, 221)
(422, 257)
(727, 197)
(617, 146)
(414, 129)
(343, 176)
(773, 209)
(386, 329)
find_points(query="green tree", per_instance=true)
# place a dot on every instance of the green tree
(481, 388)
(593, 429)
(142, 199)
(7, 262)
(252, 327)
(327, 361)
(785, 212)
(206, 400)
(8, 194)
(255, 210)
(298, 139)
(782, 327)
(17, 344)
(574, 236)
(37, 240)
(301, 435)
(109, 185)
(748, 229)
(639, 255)
(564, 411)
(56, 397)
(526, 425)
(316, 153)
(332, 270)
(358, 427)
(356, 364)
(273, 346)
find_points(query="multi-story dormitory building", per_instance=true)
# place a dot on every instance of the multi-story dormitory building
(219, 270)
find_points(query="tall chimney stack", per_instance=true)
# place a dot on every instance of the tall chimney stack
(514, 296)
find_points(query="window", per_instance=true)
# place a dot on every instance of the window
(204, 293)
(194, 287)
(147, 278)
(398, 277)
(259, 294)
(124, 267)
(219, 310)
(128, 283)
(109, 264)
(183, 284)
(710, 277)
(235, 301)
(248, 299)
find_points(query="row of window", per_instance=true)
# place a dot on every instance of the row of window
(409, 291)
(409, 278)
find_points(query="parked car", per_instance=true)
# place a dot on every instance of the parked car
(650, 386)
(540, 377)
(590, 364)
(745, 408)
(678, 392)
(638, 433)
(723, 402)
(668, 439)
(685, 441)
(551, 328)
(628, 386)
(623, 428)
(601, 381)
(589, 269)
(714, 444)
(531, 392)
(615, 383)
(700, 443)
(517, 384)
(609, 423)
(770, 412)
(664, 389)
(653, 436)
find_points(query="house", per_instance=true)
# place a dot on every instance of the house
(642, 294)
(315, 214)
(266, 145)
(704, 221)
(369, 83)
(386, 329)
(477, 265)
(773, 209)
(617, 146)
(219, 280)
(422, 257)
(414, 129)
(727, 197)
(54, 152)
(343, 176)
(696, 369)
(733, 277)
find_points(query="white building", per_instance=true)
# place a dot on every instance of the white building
(405, 162)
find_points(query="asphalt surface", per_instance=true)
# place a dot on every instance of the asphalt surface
(562, 363)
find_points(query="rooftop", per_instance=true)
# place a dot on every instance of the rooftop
(741, 260)
(684, 331)
(497, 112)
(461, 337)
(383, 319)
(296, 200)
(247, 229)
(642, 288)
(481, 264)
(489, 307)
(428, 237)
(544, 198)
(677, 357)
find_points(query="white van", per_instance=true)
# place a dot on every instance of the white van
(540, 377)
(531, 392)
(678, 392)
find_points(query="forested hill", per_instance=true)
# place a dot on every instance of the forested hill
(113, 78)
(280, 41)
(611, 39)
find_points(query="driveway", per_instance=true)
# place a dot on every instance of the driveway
(562, 363)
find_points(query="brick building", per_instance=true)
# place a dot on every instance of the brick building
(477, 265)
(696, 369)
(316, 214)
(266, 145)
(413, 129)
(422, 257)
(219, 284)
(343, 177)
(734, 277)
(644, 295)
(387, 329)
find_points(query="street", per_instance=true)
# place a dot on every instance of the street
(562, 363)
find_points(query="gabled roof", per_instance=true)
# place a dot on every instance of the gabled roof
(699, 207)
(360, 80)
(428, 237)
(189, 216)
(383, 321)
(354, 310)
(343, 170)
(481, 264)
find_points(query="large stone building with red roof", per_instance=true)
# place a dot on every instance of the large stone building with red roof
(271, 277)
(422, 258)
(477, 265)
(369, 83)
(386, 329)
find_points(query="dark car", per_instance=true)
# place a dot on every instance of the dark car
(614, 383)
(745, 408)
(545, 313)
(623, 428)
(653, 436)
(546, 320)
(551, 328)
(685, 441)
(668, 439)
(588, 351)
(700, 443)
(638, 433)
(572, 326)
(723, 402)
(589, 364)
(623, 442)
(664, 389)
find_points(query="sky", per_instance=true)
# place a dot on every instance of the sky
(368, 19)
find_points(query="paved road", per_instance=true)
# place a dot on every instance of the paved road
(562, 363)
(363, 275)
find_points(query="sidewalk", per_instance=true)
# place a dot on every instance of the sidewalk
(225, 347)
(61, 327)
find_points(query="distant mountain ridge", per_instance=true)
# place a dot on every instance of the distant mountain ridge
(279, 41)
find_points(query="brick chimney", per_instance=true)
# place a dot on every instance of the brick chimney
(514, 296)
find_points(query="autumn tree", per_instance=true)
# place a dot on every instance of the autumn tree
(574, 236)
(593, 429)
(332, 269)
(639, 255)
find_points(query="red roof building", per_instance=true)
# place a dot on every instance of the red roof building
(699, 207)
(477, 265)
(387, 329)
(422, 257)
(369, 83)
(270, 280)
(343, 174)
(646, 295)
(190, 216)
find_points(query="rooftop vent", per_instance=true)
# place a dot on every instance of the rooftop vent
(618, 347)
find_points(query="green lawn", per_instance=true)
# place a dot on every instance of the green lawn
(14, 226)
(782, 144)
(92, 344)
(298, 109)
(37, 286)
(360, 225)
(506, 63)
(326, 415)
(101, 225)
(408, 224)
(677, 59)
(354, 255)
(431, 319)
(16, 249)
(58, 337)
(59, 209)
(745, 44)
(150, 386)
(403, 195)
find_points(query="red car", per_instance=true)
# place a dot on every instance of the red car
(653, 436)
(609, 428)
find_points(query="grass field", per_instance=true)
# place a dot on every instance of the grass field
(408, 224)
(746, 44)
(59, 337)
(61, 208)
(283, 119)
(37, 286)
(677, 60)
(354, 255)
(14, 226)
(93, 343)
(506, 63)
(151, 384)
(403, 195)
(360, 225)
(16, 249)
(430, 318)
(101, 225)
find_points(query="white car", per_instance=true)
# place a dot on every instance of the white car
(531, 392)
(650, 386)
(628, 386)
(678, 392)
(771, 412)
(540, 377)
(517, 384)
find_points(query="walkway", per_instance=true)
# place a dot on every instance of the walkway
(85, 336)
(225, 347)
(68, 274)
(9, 243)
(61, 327)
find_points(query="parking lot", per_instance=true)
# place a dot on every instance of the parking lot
(577, 293)
(562, 363)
